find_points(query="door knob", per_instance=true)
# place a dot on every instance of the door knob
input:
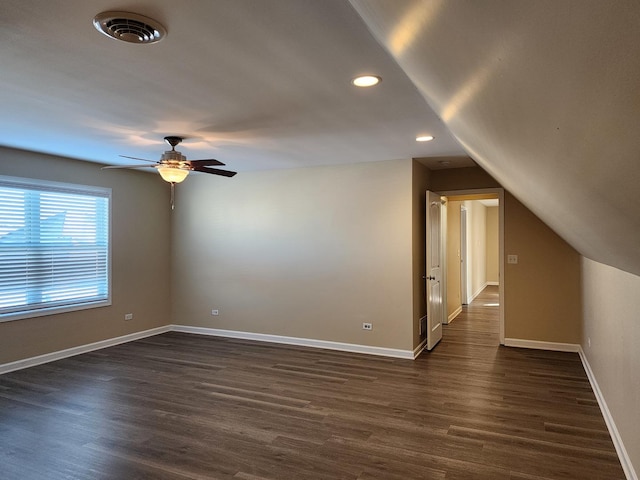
(431, 278)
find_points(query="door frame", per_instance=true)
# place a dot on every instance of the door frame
(500, 193)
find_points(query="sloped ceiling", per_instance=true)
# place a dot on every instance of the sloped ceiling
(544, 95)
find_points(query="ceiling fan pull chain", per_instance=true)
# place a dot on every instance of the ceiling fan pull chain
(173, 186)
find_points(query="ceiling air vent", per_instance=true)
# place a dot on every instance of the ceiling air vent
(129, 27)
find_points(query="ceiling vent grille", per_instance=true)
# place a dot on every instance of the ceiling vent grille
(129, 27)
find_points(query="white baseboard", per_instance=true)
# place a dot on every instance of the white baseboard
(70, 352)
(477, 292)
(555, 346)
(260, 337)
(302, 342)
(418, 350)
(471, 298)
(625, 461)
(454, 314)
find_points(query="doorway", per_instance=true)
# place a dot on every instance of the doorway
(463, 284)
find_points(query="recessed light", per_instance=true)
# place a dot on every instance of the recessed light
(424, 138)
(366, 81)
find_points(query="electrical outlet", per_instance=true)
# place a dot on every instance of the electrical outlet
(128, 316)
(367, 326)
(512, 259)
(215, 312)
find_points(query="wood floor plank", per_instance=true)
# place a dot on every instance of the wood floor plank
(188, 407)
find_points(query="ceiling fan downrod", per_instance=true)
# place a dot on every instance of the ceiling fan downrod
(173, 141)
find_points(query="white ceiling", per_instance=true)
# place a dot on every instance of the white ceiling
(255, 84)
(544, 94)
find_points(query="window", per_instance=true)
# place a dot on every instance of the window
(54, 247)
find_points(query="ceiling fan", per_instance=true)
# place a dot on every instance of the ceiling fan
(174, 167)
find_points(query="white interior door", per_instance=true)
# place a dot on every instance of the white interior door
(435, 310)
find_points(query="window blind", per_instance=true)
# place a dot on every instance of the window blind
(54, 247)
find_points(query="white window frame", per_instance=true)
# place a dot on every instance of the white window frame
(45, 185)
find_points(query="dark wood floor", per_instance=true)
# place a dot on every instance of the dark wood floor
(180, 406)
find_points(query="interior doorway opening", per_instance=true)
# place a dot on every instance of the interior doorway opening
(474, 249)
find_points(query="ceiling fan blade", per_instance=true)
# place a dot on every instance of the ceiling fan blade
(136, 158)
(204, 163)
(215, 171)
(127, 166)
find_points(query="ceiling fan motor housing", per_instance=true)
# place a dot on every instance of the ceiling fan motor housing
(173, 156)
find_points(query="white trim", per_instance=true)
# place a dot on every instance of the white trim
(260, 337)
(418, 350)
(478, 292)
(303, 342)
(443, 257)
(501, 273)
(493, 284)
(535, 344)
(454, 314)
(70, 352)
(625, 461)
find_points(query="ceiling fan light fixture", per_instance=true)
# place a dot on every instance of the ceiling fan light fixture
(172, 174)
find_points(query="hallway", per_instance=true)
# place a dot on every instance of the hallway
(478, 324)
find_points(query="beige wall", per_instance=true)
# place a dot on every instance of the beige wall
(542, 293)
(461, 179)
(140, 259)
(454, 301)
(308, 253)
(611, 306)
(476, 248)
(543, 297)
(493, 245)
(420, 178)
